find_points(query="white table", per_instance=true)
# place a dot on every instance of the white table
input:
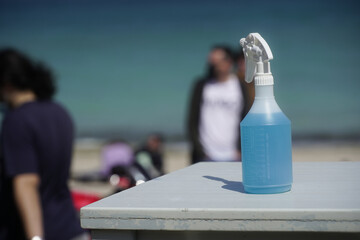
(207, 201)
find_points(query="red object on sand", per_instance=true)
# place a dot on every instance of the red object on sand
(81, 199)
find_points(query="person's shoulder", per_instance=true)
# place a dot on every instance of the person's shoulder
(59, 110)
(200, 82)
(234, 78)
(18, 113)
(57, 105)
(32, 109)
(50, 106)
(15, 119)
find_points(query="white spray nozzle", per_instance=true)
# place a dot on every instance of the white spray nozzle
(257, 56)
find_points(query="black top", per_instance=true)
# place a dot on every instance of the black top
(37, 138)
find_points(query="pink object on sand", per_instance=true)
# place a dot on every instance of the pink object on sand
(116, 154)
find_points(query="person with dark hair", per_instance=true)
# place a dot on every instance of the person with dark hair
(36, 151)
(217, 105)
(149, 156)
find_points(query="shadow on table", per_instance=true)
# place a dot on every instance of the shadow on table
(229, 185)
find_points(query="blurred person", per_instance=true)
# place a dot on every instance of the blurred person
(150, 156)
(36, 150)
(217, 105)
(249, 93)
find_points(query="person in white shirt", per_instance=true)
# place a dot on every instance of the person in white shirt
(217, 106)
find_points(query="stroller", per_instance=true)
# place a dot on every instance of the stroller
(121, 168)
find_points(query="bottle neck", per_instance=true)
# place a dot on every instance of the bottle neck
(265, 102)
(264, 91)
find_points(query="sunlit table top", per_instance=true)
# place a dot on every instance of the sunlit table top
(209, 196)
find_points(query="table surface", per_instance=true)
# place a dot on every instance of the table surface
(325, 197)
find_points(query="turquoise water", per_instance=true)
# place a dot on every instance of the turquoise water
(126, 67)
(266, 153)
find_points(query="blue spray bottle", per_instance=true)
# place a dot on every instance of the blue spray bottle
(265, 131)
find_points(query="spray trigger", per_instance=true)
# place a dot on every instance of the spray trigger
(257, 56)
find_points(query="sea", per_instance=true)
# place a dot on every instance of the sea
(125, 69)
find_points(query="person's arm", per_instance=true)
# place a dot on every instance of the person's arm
(193, 117)
(192, 114)
(27, 199)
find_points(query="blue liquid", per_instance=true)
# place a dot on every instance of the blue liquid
(266, 153)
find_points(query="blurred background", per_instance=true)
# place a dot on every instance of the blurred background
(125, 68)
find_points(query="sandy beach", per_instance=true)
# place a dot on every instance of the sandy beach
(87, 158)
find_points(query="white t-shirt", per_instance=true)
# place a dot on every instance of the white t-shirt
(219, 119)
